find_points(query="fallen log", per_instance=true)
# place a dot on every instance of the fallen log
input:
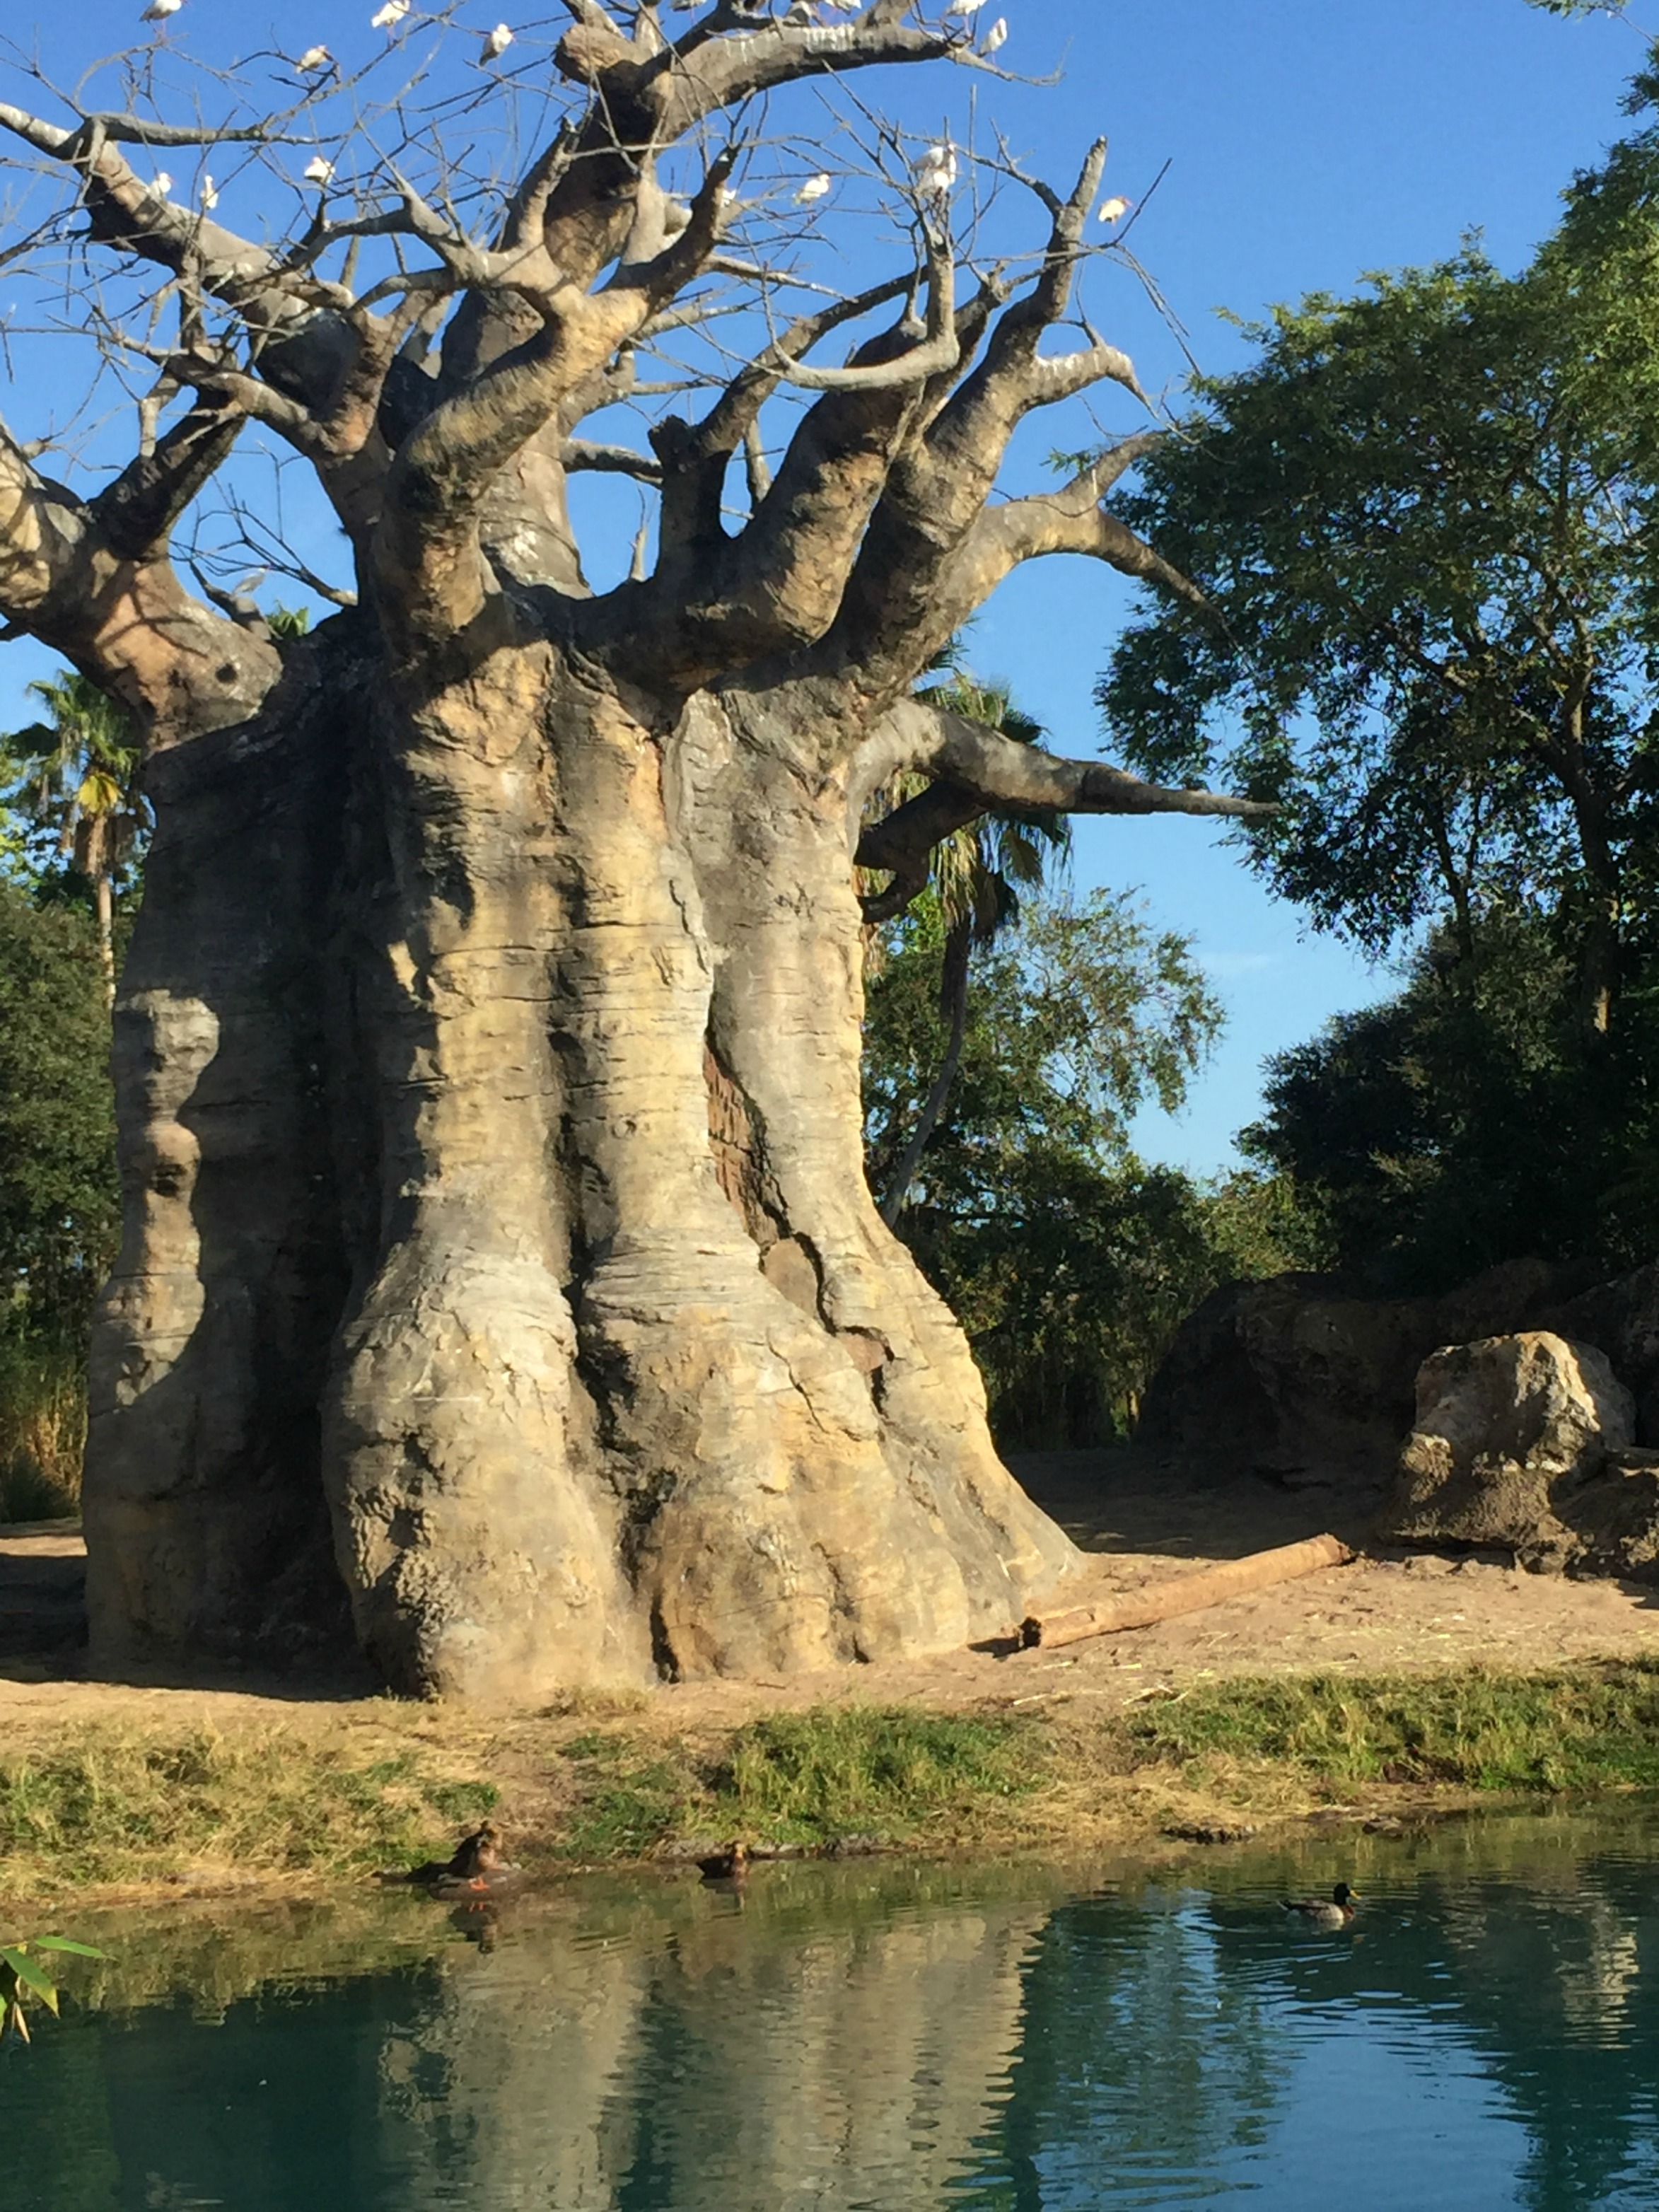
(1159, 1601)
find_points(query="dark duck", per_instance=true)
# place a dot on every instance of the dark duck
(730, 1865)
(477, 1864)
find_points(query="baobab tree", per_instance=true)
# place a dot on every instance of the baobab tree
(499, 1270)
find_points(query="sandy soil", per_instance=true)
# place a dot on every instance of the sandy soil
(1387, 1611)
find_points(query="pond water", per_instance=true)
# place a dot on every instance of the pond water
(899, 2038)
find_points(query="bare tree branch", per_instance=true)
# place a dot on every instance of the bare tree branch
(1069, 520)
(694, 460)
(42, 537)
(609, 460)
(124, 621)
(647, 93)
(136, 512)
(128, 214)
(939, 485)
(428, 540)
(977, 769)
(706, 70)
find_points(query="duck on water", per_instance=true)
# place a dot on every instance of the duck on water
(1335, 1910)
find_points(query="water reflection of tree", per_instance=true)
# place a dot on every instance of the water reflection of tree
(1139, 2054)
(1560, 1985)
(904, 2036)
(1544, 1965)
(795, 2050)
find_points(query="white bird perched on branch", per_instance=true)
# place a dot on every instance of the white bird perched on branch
(963, 11)
(159, 10)
(813, 189)
(1114, 209)
(389, 17)
(936, 171)
(318, 171)
(161, 183)
(997, 35)
(497, 43)
(210, 194)
(314, 58)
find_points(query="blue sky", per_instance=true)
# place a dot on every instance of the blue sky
(1308, 141)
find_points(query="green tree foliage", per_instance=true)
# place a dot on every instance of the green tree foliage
(1424, 518)
(1450, 1126)
(59, 1206)
(976, 875)
(1069, 1261)
(1420, 518)
(70, 836)
(75, 782)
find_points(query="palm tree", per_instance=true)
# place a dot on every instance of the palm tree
(976, 874)
(78, 774)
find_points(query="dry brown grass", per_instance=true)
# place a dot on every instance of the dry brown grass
(43, 1430)
(109, 1805)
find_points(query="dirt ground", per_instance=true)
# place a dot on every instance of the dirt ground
(1387, 1611)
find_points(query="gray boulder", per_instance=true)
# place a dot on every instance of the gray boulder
(1511, 1438)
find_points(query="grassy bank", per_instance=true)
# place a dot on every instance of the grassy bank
(329, 1802)
(103, 1806)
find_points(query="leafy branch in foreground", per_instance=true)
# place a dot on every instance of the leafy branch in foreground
(20, 1970)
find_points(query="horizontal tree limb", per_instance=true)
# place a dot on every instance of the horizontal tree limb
(610, 460)
(977, 769)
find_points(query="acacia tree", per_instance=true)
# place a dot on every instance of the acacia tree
(497, 1249)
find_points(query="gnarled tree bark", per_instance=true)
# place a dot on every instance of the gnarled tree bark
(499, 1271)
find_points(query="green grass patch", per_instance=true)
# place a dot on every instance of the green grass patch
(883, 1770)
(113, 1807)
(1588, 1727)
(889, 1773)
(632, 1798)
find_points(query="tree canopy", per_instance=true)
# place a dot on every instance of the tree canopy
(1422, 520)
(1069, 1261)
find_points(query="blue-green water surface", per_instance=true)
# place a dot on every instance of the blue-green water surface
(971, 2038)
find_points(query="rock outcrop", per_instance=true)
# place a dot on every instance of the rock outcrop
(1299, 1379)
(1614, 1518)
(1528, 1402)
(1509, 1432)
(1622, 1317)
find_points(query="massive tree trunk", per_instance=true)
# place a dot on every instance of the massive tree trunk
(488, 1074)
(499, 1276)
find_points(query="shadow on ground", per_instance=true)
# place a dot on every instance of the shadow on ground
(1115, 1501)
(1126, 1500)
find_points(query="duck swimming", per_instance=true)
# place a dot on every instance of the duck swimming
(1335, 1910)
